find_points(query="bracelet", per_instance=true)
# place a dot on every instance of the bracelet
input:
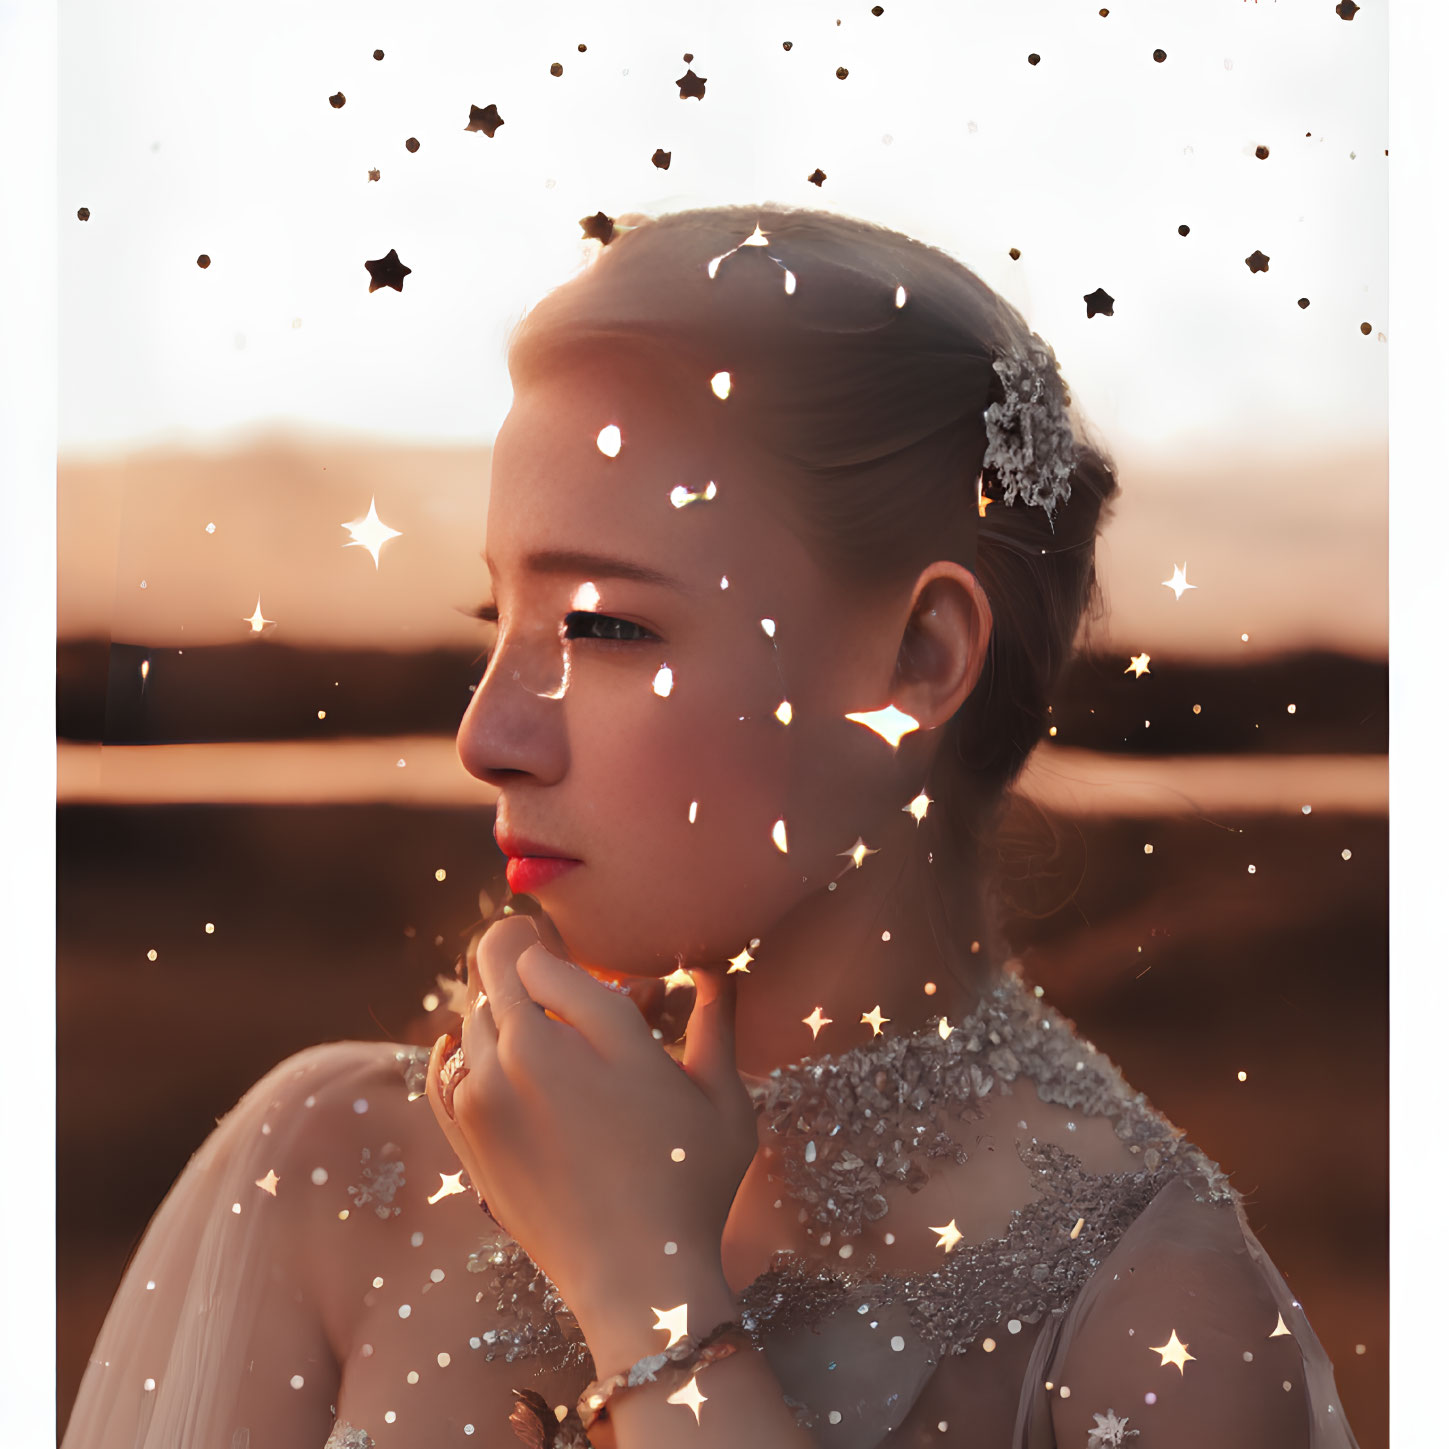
(681, 1361)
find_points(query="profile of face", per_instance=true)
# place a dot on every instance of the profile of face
(687, 740)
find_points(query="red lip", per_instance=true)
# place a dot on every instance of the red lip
(530, 873)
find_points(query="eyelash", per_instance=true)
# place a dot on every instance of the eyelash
(488, 613)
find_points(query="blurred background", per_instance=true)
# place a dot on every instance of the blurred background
(265, 838)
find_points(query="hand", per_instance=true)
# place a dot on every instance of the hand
(569, 1113)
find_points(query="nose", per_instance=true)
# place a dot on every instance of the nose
(509, 729)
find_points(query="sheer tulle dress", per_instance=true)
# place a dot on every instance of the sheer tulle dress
(971, 1235)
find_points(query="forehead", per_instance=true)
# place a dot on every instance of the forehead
(553, 488)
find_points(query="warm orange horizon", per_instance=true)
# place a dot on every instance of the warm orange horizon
(1291, 550)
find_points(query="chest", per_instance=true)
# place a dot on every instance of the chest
(413, 1328)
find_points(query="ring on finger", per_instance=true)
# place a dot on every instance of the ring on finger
(449, 1075)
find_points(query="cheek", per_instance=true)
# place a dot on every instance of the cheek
(665, 885)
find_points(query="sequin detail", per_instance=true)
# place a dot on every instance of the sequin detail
(380, 1184)
(877, 1114)
(1110, 1432)
(413, 1061)
(346, 1436)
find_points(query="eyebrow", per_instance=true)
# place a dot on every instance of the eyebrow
(592, 565)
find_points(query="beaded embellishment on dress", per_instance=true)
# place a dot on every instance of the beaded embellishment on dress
(854, 1122)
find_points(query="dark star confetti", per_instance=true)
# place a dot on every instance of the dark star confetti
(203, 261)
(1099, 301)
(1183, 229)
(84, 213)
(1365, 328)
(1015, 254)
(841, 72)
(1346, 10)
(1303, 302)
(337, 101)
(387, 271)
(1159, 56)
(691, 86)
(555, 69)
(816, 177)
(876, 10)
(485, 119)
(1033, 59)
(1257, 262)
(374, 174)
(661, 159)
(377, 55)
(789, 45)
(412, 143)
(1261, 153)
(598, 227)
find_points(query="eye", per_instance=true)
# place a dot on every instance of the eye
(610, 626)
(611, 630)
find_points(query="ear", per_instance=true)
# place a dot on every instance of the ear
(944, 643)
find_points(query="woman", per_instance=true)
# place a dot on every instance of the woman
(790, 536)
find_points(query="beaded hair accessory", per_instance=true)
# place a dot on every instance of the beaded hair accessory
(1029, 440)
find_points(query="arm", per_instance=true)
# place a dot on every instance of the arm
(215, 1334)
(1250, 1373)
(744, 1403)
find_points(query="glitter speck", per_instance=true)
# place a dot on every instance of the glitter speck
(296, 1381)
(417, 1240)
(444, 1360)
(319, 1176)
(405, 1310)
(360, 1106)
(835, 1416)
(889, 1239)
(149, 1385)
(670, 1249)
(210, 929)
(367, 1350)
(1013, 1325)
(989, 1344)
(1247, 1356)
(151, 1284)
(897, 1344)
(390, 1417)
(676, 1154)
(413, 1376)
(1149, 1398)
(150, 955)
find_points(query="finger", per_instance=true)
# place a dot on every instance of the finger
(709, 1038)
(442, 1049)
(607, 1019)
(516, 1021)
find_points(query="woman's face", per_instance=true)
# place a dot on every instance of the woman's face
(653, 750)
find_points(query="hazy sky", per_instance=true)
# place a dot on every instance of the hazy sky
(189, 129)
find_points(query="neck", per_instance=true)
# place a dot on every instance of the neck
(828, 952)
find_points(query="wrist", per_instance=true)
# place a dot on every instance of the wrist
(619, 1321)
